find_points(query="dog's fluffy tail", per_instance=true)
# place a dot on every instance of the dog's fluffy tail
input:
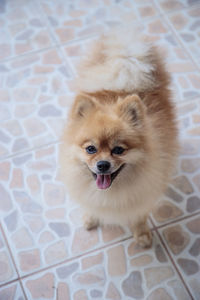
(120, 61)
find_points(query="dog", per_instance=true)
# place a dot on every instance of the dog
(119, 144)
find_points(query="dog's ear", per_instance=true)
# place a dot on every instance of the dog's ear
(131, 109)
(82, 106)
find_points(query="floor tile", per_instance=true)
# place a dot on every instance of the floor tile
(79, 19)
(182, 196)
(184, 72)
(167, 6)
(186, 23)
(121, 271)
(183, 242)
(7, 269)
(12, 292)
(34, 95)
(42, 225)
(23, 29)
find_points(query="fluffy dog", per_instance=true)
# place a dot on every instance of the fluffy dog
(119, 146)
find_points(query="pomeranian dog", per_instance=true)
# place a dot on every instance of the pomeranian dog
(119, 146)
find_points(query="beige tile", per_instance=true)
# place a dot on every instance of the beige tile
(91, 261)
(111, 233)
(116, 261)
(141, 261)
(56, 252)
(176, 238)
(4, 170)
(63, 291)
(166, 211)
(29, 260)
(159, 294)
(42, 287)
(112, 292)
(84, 240)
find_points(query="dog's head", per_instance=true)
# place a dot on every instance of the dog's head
(108, 135)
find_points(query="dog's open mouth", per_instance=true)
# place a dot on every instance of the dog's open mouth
(104, 181)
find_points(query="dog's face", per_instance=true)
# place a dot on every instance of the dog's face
(108, 136)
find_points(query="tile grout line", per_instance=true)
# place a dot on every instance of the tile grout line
(46, 21)
(173, 30)
(5, 284)
(174, 265)
(56, 142)
(59, 46)
(73, 258)
(163, 12)
(89, 252)
(56, 45)
(182, 44)
(177, 220)
(18, 279)
(25, 54)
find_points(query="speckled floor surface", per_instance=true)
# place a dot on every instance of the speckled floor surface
(44, 251)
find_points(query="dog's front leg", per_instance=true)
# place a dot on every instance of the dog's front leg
(90, 222)
(142, 232)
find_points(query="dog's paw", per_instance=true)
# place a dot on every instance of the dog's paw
(89, 222)
(142, 234)
(144, 240)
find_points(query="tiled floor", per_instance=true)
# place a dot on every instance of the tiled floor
(44, 251)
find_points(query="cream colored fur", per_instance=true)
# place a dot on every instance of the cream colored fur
(120, 60)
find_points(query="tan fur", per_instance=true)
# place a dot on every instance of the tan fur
(140, 118)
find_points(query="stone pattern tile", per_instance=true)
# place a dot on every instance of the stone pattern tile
(74, 20)
(42, 225)
(183, 242)
(33, 97)
(182, 197)
(167, 6)
(7, 269)
(122, 271)
(12, 292)
(186, 24)
(22, 28)
(41, 44)
(184, 72)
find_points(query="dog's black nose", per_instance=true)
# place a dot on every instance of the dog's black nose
(103, 166)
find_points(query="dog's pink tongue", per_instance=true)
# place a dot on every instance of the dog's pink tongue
(103, 181)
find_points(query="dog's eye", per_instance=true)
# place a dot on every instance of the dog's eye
(117, 150)
(91, 149)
